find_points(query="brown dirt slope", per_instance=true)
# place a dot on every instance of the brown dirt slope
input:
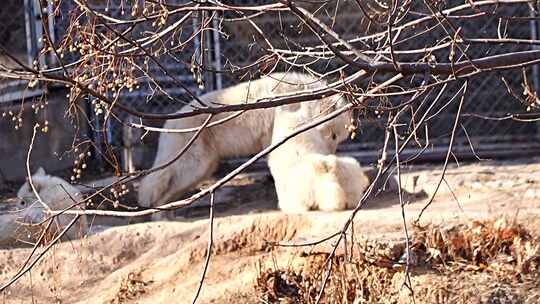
(162, 262)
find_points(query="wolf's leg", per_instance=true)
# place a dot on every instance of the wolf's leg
(170, 183)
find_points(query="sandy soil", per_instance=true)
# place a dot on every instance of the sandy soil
(162, 262)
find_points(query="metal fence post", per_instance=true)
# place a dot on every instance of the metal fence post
(535, 69)
(127, 150)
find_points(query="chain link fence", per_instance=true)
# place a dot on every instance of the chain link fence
(487, 96)
(162, 83)
(241, 44)
(17, 37)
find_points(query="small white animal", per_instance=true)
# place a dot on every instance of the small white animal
(58, 195)
(321, 182)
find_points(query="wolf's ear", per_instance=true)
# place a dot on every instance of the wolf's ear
(40, 171)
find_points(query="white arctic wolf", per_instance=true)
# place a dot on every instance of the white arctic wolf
(56, 193)
(246, 134)
(307, 174)
(320, 182)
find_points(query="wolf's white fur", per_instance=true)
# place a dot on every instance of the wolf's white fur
(306, 173)
(57, 194)
(320, 182)
(244, 135)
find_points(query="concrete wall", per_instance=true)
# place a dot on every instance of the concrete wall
(49, 148)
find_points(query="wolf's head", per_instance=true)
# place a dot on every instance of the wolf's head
(54, 192)
(57, 194)
(333, 132)
(338, 129)
(28, 205)
(26, 193)
(24, 208)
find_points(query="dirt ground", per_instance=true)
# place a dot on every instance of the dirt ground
(162, 262)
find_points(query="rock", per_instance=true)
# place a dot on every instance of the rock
(532, 193)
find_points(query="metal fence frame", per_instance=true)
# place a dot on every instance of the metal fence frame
(14, 90)
(218, 46)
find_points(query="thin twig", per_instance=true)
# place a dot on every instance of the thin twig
(20, 273)
(448, 153)
(208, 249)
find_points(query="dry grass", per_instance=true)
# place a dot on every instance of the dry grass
(131, 287)
(494, 245)
(347, 282)
(494, 261)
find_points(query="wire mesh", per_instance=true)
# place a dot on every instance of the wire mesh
(238, 44)
(163, 80)
(13, 38)
(487, 95)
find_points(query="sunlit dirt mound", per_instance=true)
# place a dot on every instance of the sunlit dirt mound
(163, 262)
(478, 243)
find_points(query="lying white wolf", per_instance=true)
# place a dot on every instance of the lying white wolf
(306, 173)
(321, 182)
(244, 135)
(56, 193)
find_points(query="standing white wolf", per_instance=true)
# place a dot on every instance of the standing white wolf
(58, 195)
(249, 133)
